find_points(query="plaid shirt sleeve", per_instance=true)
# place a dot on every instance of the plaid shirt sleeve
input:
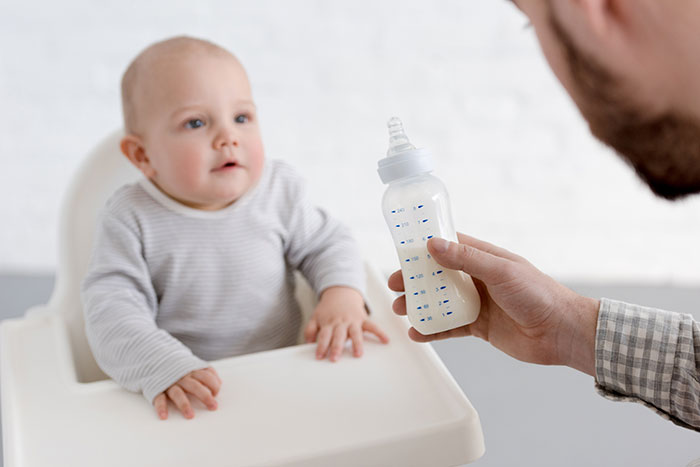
(649, 356)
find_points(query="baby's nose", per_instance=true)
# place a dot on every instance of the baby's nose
(226, 137)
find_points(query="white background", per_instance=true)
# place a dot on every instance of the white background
(466, 77)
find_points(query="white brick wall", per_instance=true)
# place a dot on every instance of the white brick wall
(465, 76)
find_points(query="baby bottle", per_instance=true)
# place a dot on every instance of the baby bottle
(417, 208)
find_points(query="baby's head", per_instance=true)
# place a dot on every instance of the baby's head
(191, 124)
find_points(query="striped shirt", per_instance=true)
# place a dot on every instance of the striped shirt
(650, 356)
(170, 287)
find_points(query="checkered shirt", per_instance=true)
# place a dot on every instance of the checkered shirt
(652, 357)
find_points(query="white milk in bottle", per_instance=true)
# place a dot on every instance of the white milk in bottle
(416, 207)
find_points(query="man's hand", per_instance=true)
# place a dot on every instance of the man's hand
(340, 314)
(524, 313)
(201, 384)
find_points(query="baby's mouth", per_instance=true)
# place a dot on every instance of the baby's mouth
(228, 165)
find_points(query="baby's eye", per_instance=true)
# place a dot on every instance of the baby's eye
(194, 123)
(242, 118)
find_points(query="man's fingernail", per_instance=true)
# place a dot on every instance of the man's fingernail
(440, 245)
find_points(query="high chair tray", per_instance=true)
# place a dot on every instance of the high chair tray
(397, 405)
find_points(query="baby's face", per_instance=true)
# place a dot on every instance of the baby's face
(199, 130)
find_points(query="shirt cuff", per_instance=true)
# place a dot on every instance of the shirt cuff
(634, 361)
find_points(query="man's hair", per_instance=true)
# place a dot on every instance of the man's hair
(168, 49)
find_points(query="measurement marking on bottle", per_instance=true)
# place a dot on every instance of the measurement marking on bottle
(448, 313)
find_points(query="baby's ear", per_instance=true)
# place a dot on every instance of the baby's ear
(133, 149)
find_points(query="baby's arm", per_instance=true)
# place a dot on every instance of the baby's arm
(120, 307)
(322, 248)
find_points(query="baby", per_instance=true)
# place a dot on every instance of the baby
(195, 261)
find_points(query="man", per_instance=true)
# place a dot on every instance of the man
(633, 69)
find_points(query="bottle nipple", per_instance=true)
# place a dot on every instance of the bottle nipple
(398, 141)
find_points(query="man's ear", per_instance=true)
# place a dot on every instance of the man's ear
(606, 27)
(598, 14)
(132, 147)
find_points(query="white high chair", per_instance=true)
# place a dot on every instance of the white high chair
(397, 405)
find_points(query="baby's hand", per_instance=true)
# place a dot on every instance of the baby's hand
(202, 384)
(340, 314)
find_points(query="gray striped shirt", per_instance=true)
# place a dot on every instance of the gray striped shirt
(170, 287)
(650, 356)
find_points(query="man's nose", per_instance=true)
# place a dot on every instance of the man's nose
(226, 136)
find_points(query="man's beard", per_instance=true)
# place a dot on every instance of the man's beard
(664, 150)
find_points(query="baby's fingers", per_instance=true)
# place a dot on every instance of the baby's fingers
(200, 391)
(340, 335)
(355, 332)
(209, 378)
(371, 326)
(324, 340)
(161, 405)
(179, 398)
(311, 331)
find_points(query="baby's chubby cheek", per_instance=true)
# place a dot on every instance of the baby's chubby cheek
(256, 161)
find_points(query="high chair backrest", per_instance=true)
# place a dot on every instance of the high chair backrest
(103, 171)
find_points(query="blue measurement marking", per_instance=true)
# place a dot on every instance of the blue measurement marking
(412, 277)
(430, 318)
(448, 313)
(408, 260)
(422, 319)
(415, 293)
(393, 212)
(440, 271)
(402, 242)
(397, 225)
(425, 220)
(445, 301)
(420, 308)
(430, 236)
(443, 287)
(420, 206)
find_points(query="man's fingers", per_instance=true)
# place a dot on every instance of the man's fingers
(489, 268)
(179, 398)
(457, 332)
(209, 379)
(200, 391)
(161, 405)
(340, 335)
(399, 305)
(310, 331)
(489, 248)
(396, 281)
(371, 326)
